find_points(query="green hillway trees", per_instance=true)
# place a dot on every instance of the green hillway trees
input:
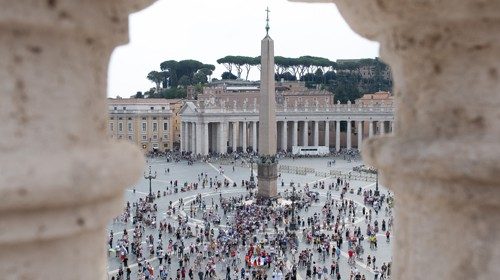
(342, 77)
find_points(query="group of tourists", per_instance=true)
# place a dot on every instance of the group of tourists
(232, 237)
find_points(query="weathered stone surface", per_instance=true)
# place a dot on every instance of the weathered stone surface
(444, 159)
(59, 185)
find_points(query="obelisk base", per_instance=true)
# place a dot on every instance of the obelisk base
(267, 175)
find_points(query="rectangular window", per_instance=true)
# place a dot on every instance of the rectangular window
(129, 126)
(165, 126)
(144, 137)
(155, 126)
(144, 126)
(111, 126)
(130, 137)
(120, 127)
(155, 137)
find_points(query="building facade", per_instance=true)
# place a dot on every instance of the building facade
(223, 121)
(149, 123)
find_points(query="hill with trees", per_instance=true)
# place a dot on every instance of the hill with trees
(348, 79)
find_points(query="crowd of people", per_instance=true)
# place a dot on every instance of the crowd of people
(239, 237)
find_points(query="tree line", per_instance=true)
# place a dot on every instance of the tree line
(347, 79)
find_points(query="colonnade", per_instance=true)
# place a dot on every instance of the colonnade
(227, 136)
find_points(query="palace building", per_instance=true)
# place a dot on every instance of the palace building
(152, 124)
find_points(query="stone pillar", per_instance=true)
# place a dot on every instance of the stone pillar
(223, 137)
(206, 147)
(235, 136)
(199, 137)
(294, 133)
(337, 136)
(182, 136)
(284, 136)
(193, 138)
(244, 136)
(60, 185)
(305, 134)
(349, 134)
(327, 133)
(370, 129)
(443, 160)
(254, 136)
(382, 127)
(316, 133)
(360, 134)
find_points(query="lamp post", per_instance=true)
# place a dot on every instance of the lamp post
(293, 223)
(150, 196)
(252, 179)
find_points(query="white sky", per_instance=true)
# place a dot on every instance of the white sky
(208, 30)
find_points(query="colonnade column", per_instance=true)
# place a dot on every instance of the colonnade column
(294, 133)
(193, 137)
(244, 136)
(235, 136)
(206, 148)
(382, 127)
(316, 133)
(284, 136)
(370, 129)
(360, 134)
(223, 126)
(254, 136)
(305, 134)
(349, 132)
(337, 136)
(200, 137)
(327, 133)
(183, 137)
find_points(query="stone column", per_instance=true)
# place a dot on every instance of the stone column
(294, 133)
(360, 134)
(337, 136)
(316, 133)
(370, 129)
(349, 134)
(327, 133)
(382, 127)
(193, 138)
(443, 160)
(284, 136)
(206, 147)
(223, 126)
(235, 136)
(199, 137)
(244, 136)
(60, 185)
(182, 136)
(305, 134)
(254, 136)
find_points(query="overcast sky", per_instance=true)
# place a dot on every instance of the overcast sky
(208, 30)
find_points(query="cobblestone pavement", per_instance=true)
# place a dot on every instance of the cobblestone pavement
(183, 172)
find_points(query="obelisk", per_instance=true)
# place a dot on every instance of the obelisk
(267, 164)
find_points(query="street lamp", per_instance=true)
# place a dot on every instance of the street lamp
(293, 223)
(150, 196)
(252, 179)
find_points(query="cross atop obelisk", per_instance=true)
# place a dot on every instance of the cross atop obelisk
(268, 164)
(267, 21)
